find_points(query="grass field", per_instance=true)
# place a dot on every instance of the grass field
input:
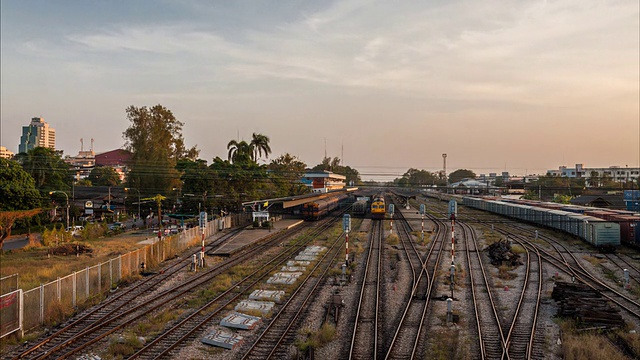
(35, 266)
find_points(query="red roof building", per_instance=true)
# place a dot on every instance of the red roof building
(118, 157)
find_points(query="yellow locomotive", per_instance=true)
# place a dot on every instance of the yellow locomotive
(378, 208)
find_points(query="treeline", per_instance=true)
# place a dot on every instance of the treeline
(161, 167)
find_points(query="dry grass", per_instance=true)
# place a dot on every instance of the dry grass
(517, 249)
(490, 237)
(120, 348)
(504, 272)
(35, 266)
(632, 339)
(316, 339)
(56, 313)
(593, 260)
(589, 347)
(586, 345)
(154, 324)
(392, 239)
(447, 344)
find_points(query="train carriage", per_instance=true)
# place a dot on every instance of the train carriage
(596, 231)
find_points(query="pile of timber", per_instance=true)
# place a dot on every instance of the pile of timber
(586, 305)
(500, 254)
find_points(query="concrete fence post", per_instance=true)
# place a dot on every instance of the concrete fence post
(110, 273)
(41, 303)
(75, 289)
(58, 289)
(21, 313)
(87, 280)
(99, 278)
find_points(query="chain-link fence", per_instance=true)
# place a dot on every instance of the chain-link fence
(48, 302)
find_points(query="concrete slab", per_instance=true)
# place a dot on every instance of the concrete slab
(238, 320)
(273, 295)
(255, 305)
(293, 268)
(286, 278)
(298, 263)
(281, 280)
(305, 257)
(222, 338)
(315, 248)
(247, 238)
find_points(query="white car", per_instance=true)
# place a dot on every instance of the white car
(75, 230)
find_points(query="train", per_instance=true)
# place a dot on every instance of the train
(628, 221)
(360, 208)
(378, 208)
(315, 210)
(595, 231)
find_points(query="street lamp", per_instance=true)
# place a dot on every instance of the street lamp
(67, 196)
(127, 189)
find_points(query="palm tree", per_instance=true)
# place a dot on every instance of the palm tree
(239, 151)
(259, 145)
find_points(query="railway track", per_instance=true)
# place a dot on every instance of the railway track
(167, 343)
(408, 339)
(491, 339)
(364, 339)
(73, 339)
(109, 309)
(273, 341)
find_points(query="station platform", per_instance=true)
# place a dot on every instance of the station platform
(248, 237)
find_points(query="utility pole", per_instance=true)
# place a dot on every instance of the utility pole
(444, 170)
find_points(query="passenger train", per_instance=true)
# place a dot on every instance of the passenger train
(314, 210)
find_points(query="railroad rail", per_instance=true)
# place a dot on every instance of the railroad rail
(409, 335)
(271, 342)
(166, 343)
(364, 339)
(110, 308)
(77, 339)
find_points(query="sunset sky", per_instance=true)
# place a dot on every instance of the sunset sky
(522, 86)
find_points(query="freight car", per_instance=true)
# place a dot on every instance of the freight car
(314, 210)
(378, 208)
(628, 220)
(360, 208)
(595, 231)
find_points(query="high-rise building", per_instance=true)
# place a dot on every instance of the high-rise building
(37, 134)
(4, 153)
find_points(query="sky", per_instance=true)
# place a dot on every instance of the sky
(518, 86)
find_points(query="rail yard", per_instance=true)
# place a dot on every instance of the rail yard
(418, 282)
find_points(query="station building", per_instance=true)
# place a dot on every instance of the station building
(324, 181)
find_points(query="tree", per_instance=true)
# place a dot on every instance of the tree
(104, 176)
(47, 168)
(333, 165)
(260, 144)
(286, 172)
(155, 141)
(19, 197)
(461, 174)
(158, 199)
(239, 152)
(415, 177)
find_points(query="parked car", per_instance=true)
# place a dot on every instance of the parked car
(116, 226)
(75, 230)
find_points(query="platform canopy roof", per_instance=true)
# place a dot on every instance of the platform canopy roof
(292, 201)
